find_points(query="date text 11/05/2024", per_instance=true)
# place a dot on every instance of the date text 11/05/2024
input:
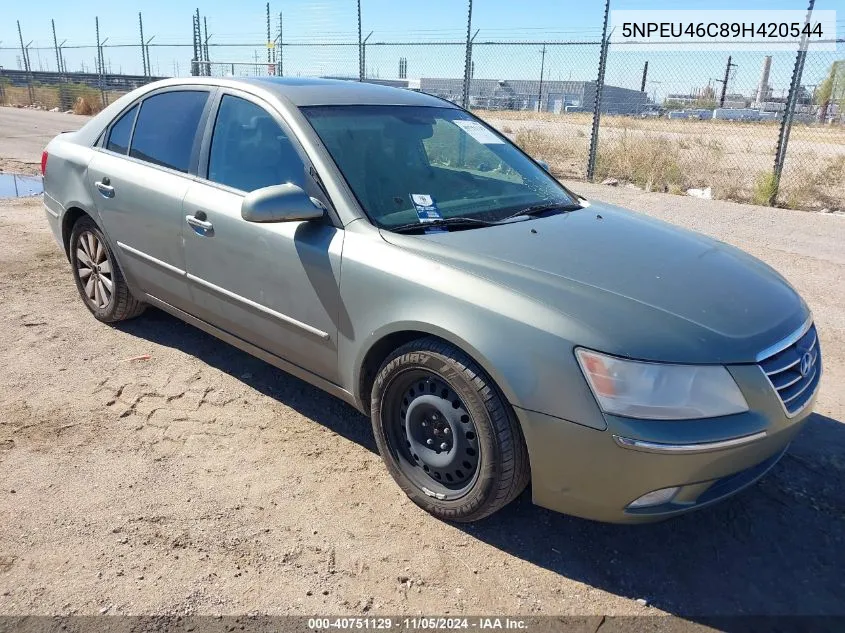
(417, 623)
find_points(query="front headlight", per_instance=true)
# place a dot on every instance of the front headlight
(659, 391)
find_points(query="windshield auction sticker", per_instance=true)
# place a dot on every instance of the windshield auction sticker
(725, 30)
(426, 207)
(478, 132)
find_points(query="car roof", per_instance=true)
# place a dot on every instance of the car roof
(297, 91)
(302, 91)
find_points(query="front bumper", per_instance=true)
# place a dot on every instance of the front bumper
(597, 474)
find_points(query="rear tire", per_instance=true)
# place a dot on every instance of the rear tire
(445, 433)
(98, 277)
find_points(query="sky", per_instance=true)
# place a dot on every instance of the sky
(230, 24)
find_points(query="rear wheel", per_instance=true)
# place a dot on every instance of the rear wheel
(98, 277)
(447, 436)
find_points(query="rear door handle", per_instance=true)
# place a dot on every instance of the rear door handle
(198, 223)
(105, 189)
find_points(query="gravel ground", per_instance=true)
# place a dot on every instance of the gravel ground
(25, 132)
(204, 481)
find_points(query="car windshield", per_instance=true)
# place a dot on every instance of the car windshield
(410, 164)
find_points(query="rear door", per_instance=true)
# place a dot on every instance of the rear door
(275, 285)
(140, 176)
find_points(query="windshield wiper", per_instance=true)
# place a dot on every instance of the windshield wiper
(537, 209)
(470, 223)
(452, 223)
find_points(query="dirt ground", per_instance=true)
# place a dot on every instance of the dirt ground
(203, 481)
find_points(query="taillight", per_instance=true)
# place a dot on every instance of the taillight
(44, 163)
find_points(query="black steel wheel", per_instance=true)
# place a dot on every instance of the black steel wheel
(431, 433)
(445, 433)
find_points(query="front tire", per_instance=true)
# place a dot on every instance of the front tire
(446, 434)
(98, 278)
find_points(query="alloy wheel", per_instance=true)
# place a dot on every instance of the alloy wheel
(94, 268)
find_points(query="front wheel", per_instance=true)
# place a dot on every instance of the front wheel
(447, 436)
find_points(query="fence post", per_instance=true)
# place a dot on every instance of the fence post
(281, 71)
(100, 69)
(789, 110)
(269, 42)
(594, 135)
(56, 47)
(467, 60)
(149, 63)
(364, 55)
(25, 60)
(360, 47)
(205, 46)
(143, 54)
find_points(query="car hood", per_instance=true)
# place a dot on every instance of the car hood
(644, 288)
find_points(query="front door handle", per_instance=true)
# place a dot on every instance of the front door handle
(199, 223)
(105, 188)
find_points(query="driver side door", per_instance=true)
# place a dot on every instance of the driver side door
(275, 285)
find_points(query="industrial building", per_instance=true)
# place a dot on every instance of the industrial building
(531, 94)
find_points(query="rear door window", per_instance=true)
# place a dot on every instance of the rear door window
(166, 128)
(121, 131)
(249, 150)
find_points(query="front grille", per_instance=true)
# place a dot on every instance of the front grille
(795, 371)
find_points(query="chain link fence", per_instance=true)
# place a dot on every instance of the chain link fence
(814, 166)
(671, 121)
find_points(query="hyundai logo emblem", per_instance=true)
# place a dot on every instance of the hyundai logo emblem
(806, 364)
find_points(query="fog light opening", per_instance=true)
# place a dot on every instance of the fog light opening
(655, 498)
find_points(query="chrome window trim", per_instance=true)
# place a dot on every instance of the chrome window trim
(701, 447)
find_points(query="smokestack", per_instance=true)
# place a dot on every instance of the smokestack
(763, 88)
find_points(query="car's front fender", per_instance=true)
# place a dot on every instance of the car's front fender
(524, 346)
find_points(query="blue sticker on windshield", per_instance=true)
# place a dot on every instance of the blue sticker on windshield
(426, 207)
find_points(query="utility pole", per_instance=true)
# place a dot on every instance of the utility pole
(56, 46)
(143, 54)
(725, 82)
(542, 70)
(361, 68)
(645, 77)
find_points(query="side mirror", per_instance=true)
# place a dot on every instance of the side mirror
(544, 165)
(280, 203)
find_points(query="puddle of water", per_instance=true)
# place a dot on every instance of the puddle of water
(18, 186)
